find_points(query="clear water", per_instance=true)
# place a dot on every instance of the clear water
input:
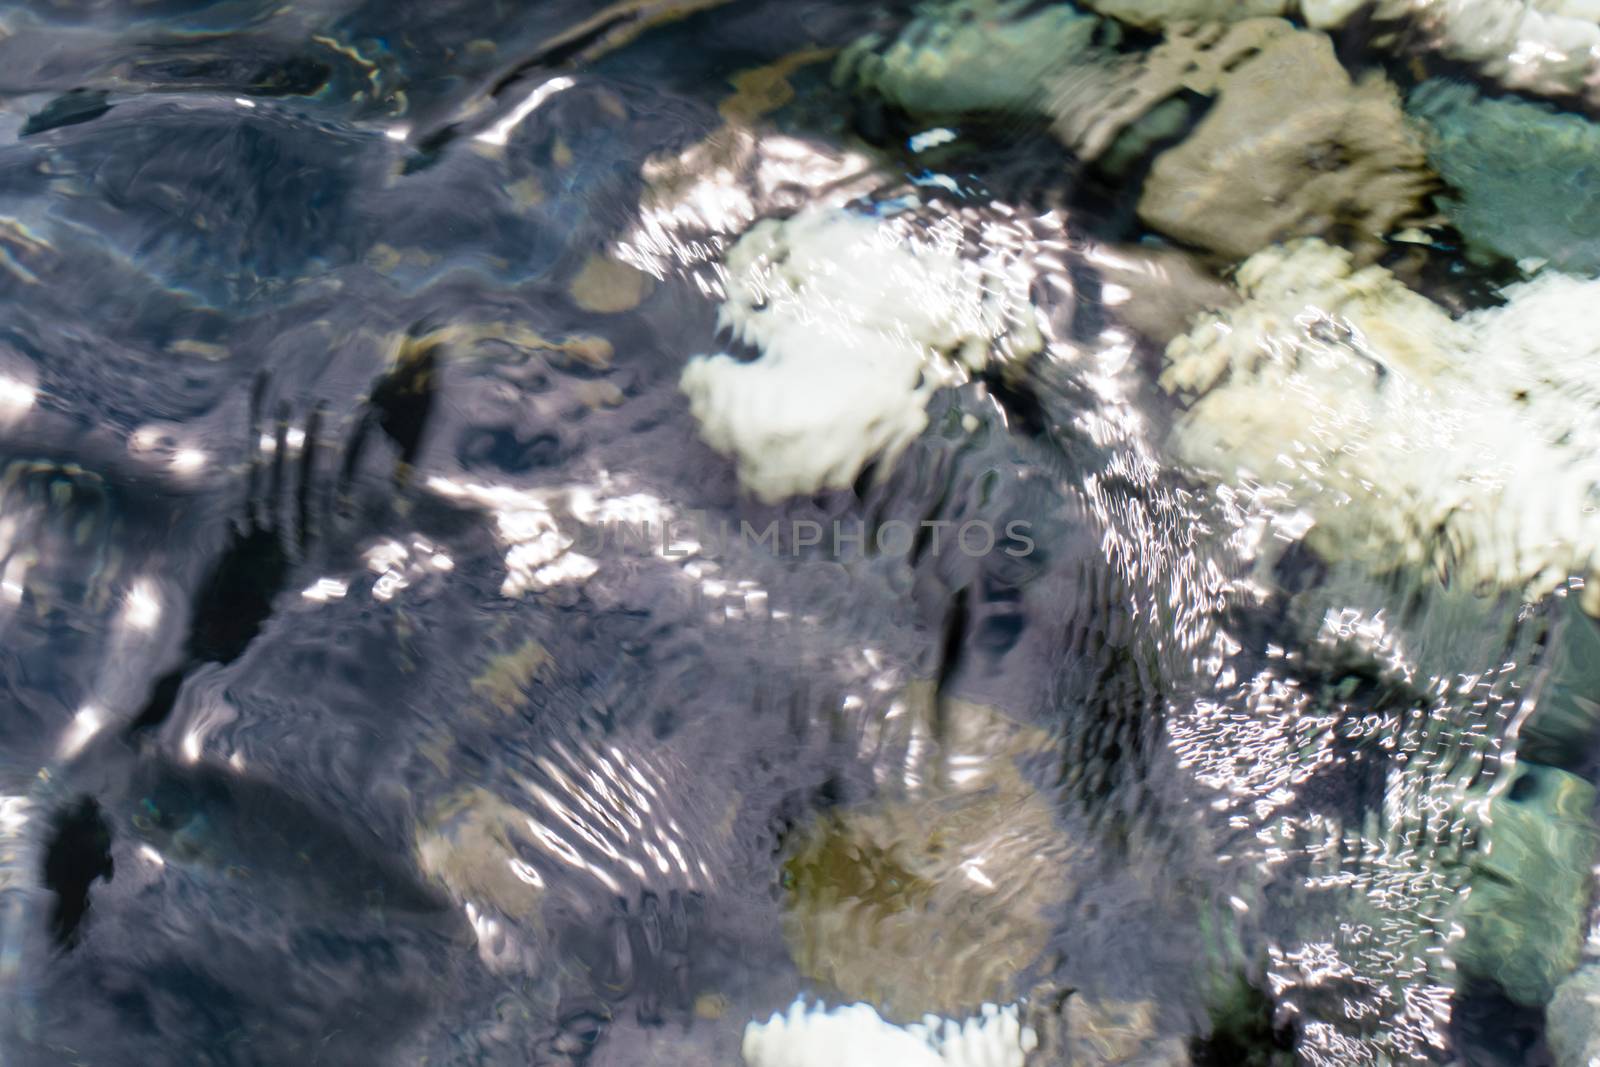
(326, 327)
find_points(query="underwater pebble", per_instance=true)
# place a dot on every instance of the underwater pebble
(1341, 161)
(858, 323)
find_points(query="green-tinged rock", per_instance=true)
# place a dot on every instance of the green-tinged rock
(1165, 122)
(1243, 1032)
(1523, 918)
(1525, 177)
(1562, 730)
(972, 56)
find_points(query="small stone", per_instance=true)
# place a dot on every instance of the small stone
(504, 683)
(1108, 1033)
(469, 843)
(1572, 1020)
(605, 286)
(763, 90)
(959, 875)
(710, 1006)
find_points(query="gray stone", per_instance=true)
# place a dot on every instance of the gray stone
(1572, 1021)
(973, 56)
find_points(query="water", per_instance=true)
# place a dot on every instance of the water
(378, 687)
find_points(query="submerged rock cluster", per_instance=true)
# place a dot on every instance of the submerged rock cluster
(1343, 161)
(461, 737)
(1382, 422)
(1405, 437)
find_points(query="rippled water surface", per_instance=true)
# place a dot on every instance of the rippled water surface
(415, 650)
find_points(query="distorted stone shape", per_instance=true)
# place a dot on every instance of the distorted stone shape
(606, 286)
(615, 26)
(1278, 286)
(1548, 47)
(1111, 1033)
(599, 817)
(697, 201)
(1340, 162)
(470, 844)
(588, 349)
(911, 882)
(1379, 430)
(960, 56)
(62, 524)
(1523, 175)
(760, 91)
(957, 874)
(858, 320)
(1566, 721)
(1093, 102)
(505, 679)
(1524, 917)
(1152, 14)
